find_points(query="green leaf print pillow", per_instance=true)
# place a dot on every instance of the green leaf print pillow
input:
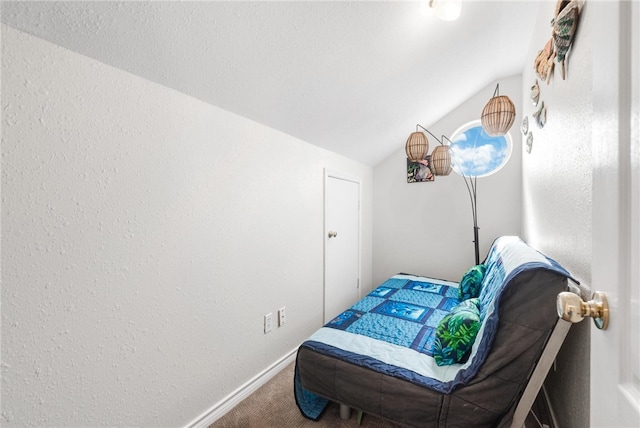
(456, 333)
(471, 282)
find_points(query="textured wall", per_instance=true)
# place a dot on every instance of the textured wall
(144, 235)
(557, 180)
(427, 228)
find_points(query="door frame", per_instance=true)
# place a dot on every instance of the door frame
(329, 173)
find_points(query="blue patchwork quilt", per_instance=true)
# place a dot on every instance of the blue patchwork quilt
(388, 330)
(404, 311)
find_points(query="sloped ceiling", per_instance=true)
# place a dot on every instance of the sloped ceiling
(352, 77)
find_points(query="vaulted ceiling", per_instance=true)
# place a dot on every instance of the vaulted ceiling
(353, 77)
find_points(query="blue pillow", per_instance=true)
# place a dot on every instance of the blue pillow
(456, 333)
(471, 282)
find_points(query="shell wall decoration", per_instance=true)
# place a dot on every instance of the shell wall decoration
(564, 25)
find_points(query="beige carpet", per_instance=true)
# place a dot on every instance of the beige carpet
(273, 406)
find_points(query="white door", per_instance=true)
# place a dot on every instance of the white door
(342, 244)
(615, 360)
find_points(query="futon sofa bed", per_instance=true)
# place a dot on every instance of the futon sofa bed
(426, 352)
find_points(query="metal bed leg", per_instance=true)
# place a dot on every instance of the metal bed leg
(540, 373)
(345, 412)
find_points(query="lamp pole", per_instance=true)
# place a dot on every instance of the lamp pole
(425, 129)
(472, 186)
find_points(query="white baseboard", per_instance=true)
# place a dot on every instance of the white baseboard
(230, 401)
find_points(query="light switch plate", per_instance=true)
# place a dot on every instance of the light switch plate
(268, 322)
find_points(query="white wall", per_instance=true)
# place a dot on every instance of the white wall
(427, 228)
(144, 236)
(557, 172)
(557, 193)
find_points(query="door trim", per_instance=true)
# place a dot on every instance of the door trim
(329, 173)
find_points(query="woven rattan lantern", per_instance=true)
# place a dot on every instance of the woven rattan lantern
(441, 160)
(417, 146)
(498, 115)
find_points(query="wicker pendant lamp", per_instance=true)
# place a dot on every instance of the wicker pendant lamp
(441, 160)
(498, 115)
(417, 146)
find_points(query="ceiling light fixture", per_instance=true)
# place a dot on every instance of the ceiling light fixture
(447, 10)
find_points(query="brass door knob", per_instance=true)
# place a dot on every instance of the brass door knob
(573, 309)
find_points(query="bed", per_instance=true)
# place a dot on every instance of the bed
(420, 351)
